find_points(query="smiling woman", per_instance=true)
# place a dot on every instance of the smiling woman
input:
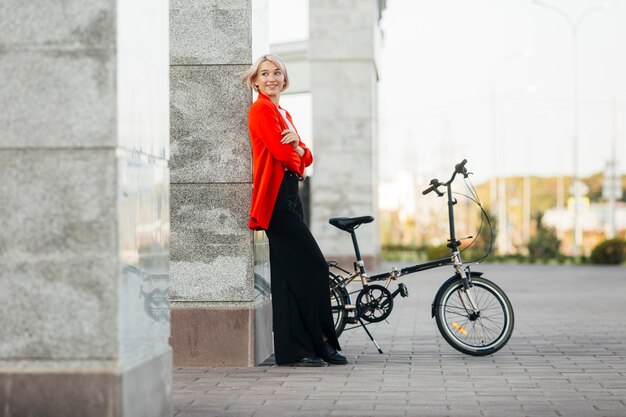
(304, 331)
(267, 70)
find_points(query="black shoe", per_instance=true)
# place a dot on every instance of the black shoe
(312, 361)
(330, 355)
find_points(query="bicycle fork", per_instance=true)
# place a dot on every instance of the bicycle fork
(465, 294)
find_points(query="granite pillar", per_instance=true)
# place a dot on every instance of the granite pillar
(220, 303)
(84, 209)
(344, 37)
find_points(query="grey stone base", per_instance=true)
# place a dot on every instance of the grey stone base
(221, 336)
(142, 391)
(263, 337)
(147, 389)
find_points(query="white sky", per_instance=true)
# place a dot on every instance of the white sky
(441, 60)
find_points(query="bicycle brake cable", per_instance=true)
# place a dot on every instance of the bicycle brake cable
(476, 200)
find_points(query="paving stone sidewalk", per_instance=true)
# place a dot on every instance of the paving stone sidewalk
(567, 357)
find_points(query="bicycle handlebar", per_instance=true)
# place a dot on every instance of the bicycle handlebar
(435, 183)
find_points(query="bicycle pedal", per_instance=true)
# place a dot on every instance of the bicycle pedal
(402, 290)
(351, 320)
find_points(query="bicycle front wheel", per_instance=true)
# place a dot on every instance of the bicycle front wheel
(474, 332)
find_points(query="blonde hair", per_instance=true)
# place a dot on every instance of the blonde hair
(250, 75)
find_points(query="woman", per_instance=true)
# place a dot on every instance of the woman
(304, 333)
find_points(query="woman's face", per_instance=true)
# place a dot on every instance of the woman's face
(270, 79)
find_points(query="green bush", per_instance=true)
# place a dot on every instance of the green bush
(403, 253)
(438, 252)
(611, 251)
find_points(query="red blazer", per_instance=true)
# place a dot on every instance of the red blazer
(270, 158)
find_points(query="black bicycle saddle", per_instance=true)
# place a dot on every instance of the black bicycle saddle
(348, 224)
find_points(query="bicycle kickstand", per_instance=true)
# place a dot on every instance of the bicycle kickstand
(370, 335)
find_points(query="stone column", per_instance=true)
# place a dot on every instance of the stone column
(84, 221)
(218, 319)
(342, 49)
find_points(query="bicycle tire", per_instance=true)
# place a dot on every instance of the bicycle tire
(476, 336)
(339, 297)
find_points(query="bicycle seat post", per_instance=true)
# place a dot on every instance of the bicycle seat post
(359, 259)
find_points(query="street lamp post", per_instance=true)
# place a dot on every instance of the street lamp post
(574, 26)
(497, 183)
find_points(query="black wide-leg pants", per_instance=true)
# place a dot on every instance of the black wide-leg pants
(300, 290)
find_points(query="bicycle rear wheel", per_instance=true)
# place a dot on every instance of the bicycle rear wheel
(476, 333)
(339, 297)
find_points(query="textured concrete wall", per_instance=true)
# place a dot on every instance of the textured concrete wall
(342, 51)
(212, 250)
(84, 218)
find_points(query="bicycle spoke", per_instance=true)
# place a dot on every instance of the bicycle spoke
(492, 303)
(487, 330)
(495, 323)
(459, 310)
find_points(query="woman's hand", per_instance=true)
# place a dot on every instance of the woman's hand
(290, 137)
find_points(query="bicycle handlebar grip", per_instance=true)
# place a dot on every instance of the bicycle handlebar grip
(434, 183)
(460, 166)
(428, 190)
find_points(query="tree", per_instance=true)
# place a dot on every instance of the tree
(545, 243)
